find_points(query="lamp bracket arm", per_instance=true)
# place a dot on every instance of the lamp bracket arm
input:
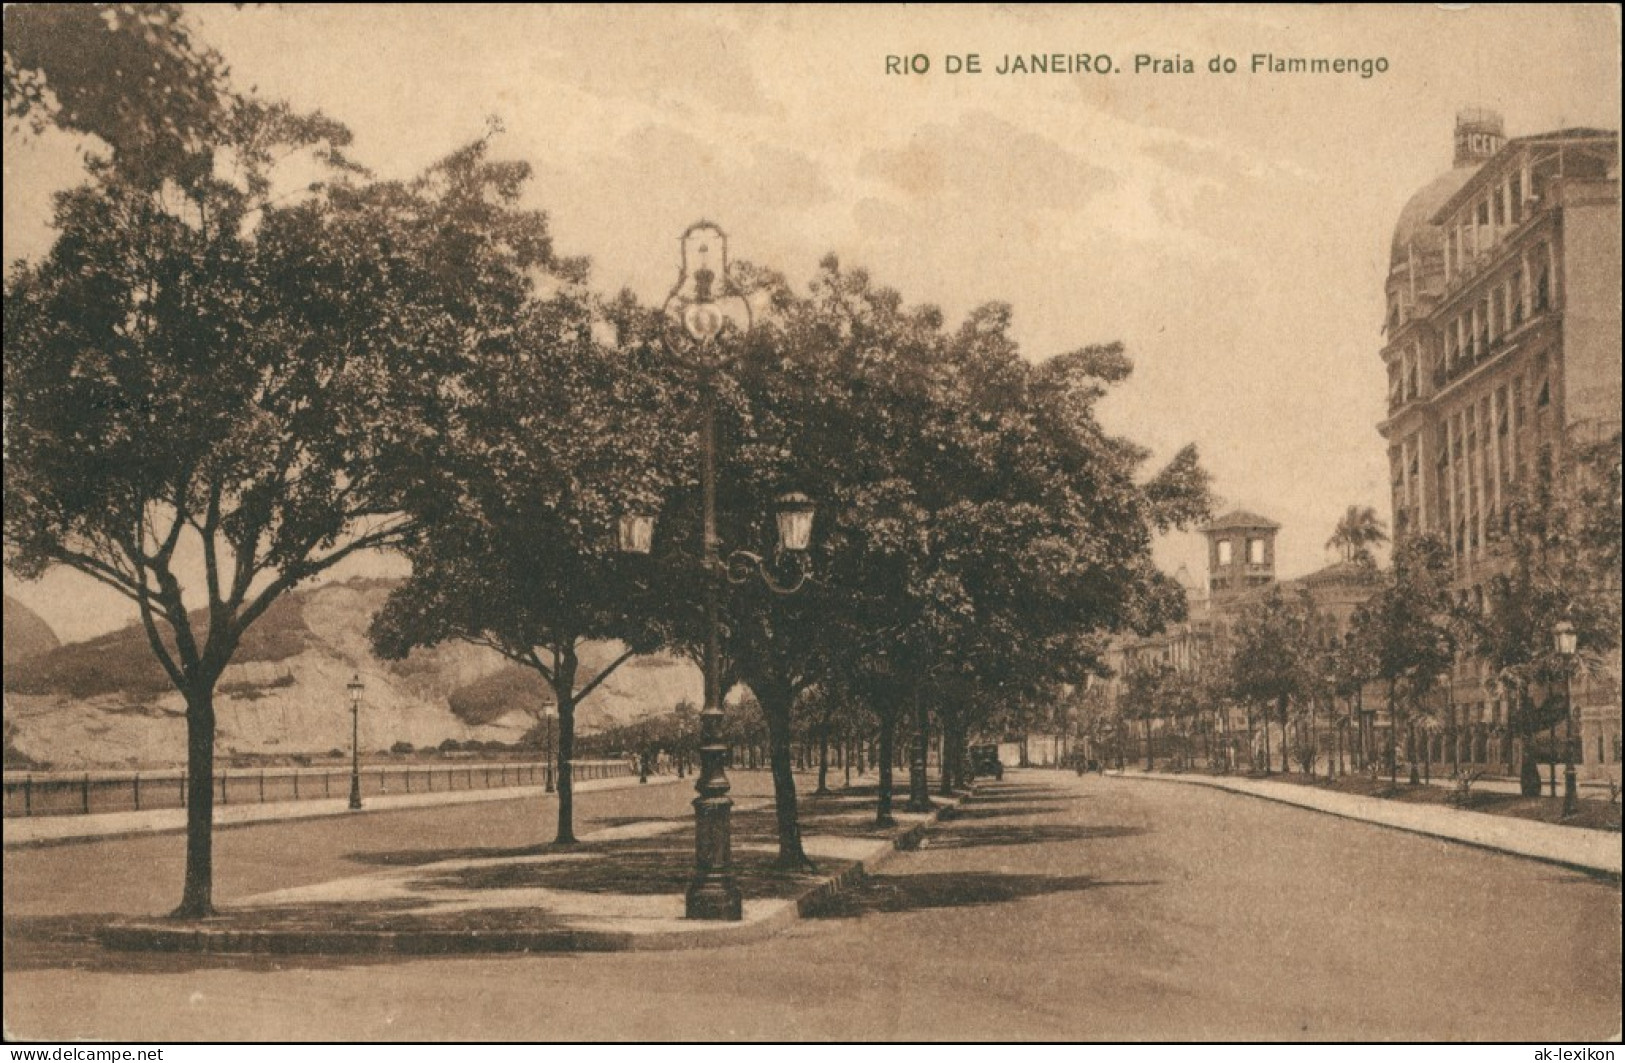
(743, 564)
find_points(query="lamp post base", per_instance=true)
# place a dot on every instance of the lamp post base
(713, 894)
(715, 899)
(355, 795)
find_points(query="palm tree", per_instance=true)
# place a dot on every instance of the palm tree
(1357, 532)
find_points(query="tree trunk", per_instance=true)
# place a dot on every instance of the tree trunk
(823, 760)
(1269, 767)
(776, 699)
(1393, 736)
(919, 789)
(888, 725)
(1528, 771)
(1150, 764)
(197, 895)
(1286, 742)
(564, 691)
(945, 759)
(1314, 739)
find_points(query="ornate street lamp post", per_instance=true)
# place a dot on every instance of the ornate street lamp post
(703, 305)
(354, 687)
(1567, 640)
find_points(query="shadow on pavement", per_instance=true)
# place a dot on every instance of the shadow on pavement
(999, 793)
(641, 868)
(951, 889)
(974, 811)
(418, 857)
(67, 942)
(1037, 834)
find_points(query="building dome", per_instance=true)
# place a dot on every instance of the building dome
(1415, 228)
(1479, 134)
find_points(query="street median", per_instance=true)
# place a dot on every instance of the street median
(619, 888)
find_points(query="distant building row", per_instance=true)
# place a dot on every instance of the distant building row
(1502, 346)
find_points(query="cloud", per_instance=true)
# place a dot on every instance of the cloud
(658, 57)
(985, 159)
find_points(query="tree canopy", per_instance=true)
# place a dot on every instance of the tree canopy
(212, 394)
(979, 534)
(561, 435)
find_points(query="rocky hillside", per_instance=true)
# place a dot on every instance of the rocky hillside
(106, 703)
(26, 635)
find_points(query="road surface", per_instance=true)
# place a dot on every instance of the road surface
(1051, 907)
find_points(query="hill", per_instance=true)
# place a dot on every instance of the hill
(26, 634)
(106, 702)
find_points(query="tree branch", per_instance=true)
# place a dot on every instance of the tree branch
(98, 570)
(155, 640)
(211, 561)
(603, 675)
(304, 570)
(536, 663)
(174, 605)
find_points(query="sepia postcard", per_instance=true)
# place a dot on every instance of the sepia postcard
(852, 524)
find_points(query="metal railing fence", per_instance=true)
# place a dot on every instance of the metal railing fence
(55, 793)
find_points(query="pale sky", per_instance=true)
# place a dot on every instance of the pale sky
(1231, 229)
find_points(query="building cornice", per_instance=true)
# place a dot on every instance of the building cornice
(1495, 165)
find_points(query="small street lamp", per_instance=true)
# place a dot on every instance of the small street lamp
(354, 687)
(1567, 641)
(637, 533)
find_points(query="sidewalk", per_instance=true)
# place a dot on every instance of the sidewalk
(620, 888)
(1593, 851)
(49, 830)
(1508, 784)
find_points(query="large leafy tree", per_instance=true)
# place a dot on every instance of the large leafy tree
(977, 532)
(214, 392)
(1560, 548)
(1407, 632)
(1146, 689)
(562, 435)
(133, 76)
(1271, 659)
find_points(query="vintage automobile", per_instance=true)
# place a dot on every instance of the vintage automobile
(984, 760)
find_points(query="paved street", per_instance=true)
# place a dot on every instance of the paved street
(1051, 907)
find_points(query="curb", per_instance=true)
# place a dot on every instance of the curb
(906, 841)
(1605, 873)
(150, 936)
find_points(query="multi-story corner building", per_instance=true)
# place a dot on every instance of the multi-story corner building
(1502, 344)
